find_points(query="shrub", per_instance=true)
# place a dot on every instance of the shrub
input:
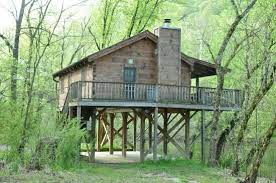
(68, 147)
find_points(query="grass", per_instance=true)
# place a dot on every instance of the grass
(149, 171)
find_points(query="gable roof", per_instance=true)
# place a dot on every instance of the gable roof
(200, 68)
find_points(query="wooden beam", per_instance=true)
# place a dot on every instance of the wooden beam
(79, 113)
(142, 137)
(187, 134)
(134, 131)
(100, 135)
(150, 134)
(202, 135)
(124, 133)
(111, 132)
(165, 130)
(79, 121)
(171, 140)
(117, 132)
(93, 135)
(70, 113)
(155, 134)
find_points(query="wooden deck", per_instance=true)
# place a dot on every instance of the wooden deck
(112, 94)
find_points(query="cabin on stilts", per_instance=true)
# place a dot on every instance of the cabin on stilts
(145, 79)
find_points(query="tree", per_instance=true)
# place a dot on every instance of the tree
(15, 47)
(221, 71)
(261, 148)
(40, 38)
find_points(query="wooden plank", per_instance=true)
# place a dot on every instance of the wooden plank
(70, 111)
(111, 117)
(165, 131)
(110, 103)
(79, 113)
(150, 134)
(142, 137)
(187, 134)
(155, 137)
(124, 134)
(202, 135)
(117, 132)
(134, 131)
(79, 120)
(93, 135)
(100, 135)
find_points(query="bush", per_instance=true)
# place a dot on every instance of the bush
(68, 147)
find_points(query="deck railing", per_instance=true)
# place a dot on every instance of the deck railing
(113, 91)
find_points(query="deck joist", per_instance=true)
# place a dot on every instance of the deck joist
(138, 104)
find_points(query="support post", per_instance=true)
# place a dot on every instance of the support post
(79, 113)
(93, 135)
(187, 134)
(165, 129)
(202, 135)
(70, 113)
(134, 131)
(100, 132)
(155, 140)
(142, 137)
(197, 90)
(111, 117)
(79, 121)
(124, 133)
(150, 134)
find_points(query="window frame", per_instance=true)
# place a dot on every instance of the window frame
(134, 74)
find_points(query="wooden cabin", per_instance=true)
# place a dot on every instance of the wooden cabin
(144, 77)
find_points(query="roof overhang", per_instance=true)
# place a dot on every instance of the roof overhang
(199, 68)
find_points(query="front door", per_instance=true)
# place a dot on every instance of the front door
(129, 80)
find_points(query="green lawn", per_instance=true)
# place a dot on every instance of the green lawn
(162, 171)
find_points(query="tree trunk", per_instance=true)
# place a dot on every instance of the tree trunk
(15, 52)
(260, 150)
(246, 114)
(216, 114)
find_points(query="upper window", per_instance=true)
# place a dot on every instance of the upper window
(129, 74)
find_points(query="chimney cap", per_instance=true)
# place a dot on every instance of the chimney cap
(167, 20)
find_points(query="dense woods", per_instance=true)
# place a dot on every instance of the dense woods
(238, 36)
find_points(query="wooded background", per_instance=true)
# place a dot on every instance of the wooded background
(234, 34)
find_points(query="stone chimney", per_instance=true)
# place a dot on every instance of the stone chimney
(169, 54)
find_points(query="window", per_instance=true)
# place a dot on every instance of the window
(129, 74)
(62, 85)
(129, 78)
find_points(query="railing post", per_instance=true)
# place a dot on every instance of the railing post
(79, 90)
(156, 93)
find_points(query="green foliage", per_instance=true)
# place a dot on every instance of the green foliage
(68, 148)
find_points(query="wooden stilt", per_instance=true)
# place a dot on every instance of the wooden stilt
(99, 134)
(142, 137)
(124, 133)
(111, 133)
(93, 135)
(150, 134)
(165, 130)
(187, 134)
(79, 120)
(134, 131)
(70, 113)
(202, 135)
(155, 134)
(79, 113)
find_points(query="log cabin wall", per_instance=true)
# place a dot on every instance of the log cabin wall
(185, 74)
(82, 74)
(110, 68)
